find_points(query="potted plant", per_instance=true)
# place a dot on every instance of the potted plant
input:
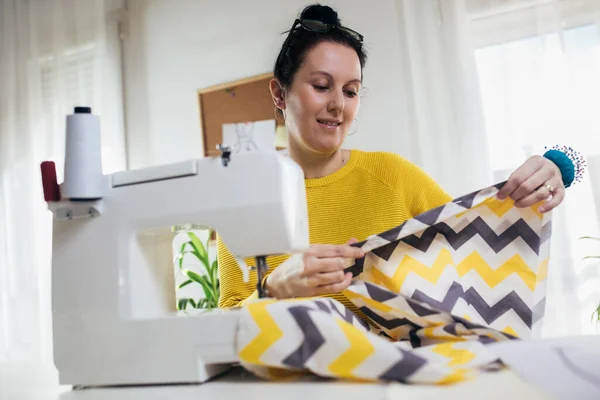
(207, 277)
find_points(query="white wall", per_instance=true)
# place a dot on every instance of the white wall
(176, 48)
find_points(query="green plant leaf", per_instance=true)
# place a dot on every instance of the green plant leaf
(193, 276)
(586, 257)
(202, 303)
(179, 255)
(590, 238)
(204, 282)
(199, 249)
(214, 273)
(193, 303)
(211, 274)
(185, 283)
(182, 303)
(596, 314)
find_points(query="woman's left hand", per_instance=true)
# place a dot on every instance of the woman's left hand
(534, 181)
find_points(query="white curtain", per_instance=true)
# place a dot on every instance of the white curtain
(441, 96)
(55, 54)
(538, 63)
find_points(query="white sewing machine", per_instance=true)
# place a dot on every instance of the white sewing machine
(114, 321)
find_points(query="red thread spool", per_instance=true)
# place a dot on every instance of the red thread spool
(49, 181)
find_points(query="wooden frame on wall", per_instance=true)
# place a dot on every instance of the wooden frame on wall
(243, 100)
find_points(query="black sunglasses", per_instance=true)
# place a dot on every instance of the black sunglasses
(314, 25)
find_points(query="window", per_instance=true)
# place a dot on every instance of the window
(540, 91)
(77, 78)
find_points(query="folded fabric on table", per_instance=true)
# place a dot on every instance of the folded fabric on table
(435, 291)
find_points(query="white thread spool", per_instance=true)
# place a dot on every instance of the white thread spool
(83, 178)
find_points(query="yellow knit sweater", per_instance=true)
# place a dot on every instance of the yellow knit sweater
(371, 193)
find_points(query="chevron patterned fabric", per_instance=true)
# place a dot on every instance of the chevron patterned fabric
(435, 290)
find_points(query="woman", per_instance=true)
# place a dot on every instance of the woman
(350, 193)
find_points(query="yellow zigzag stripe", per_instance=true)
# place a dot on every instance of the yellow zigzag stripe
(498, 207)
(508, 329)
(370, 302)
(542, 273)
(501, 207)
(360, 349)
(281, 374)
(269, 332)
(474, 261)
(514, 265)
(458, 375)
(456, 356)
(438, 333)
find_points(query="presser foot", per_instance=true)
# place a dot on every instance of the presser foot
(261, 270)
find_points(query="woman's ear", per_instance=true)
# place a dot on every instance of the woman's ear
(277, 93)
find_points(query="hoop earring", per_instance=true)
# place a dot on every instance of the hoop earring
(279, 115)
(356, 130)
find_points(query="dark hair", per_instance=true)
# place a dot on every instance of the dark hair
(300, 41)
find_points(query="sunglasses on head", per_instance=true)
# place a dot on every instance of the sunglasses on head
(313, 25)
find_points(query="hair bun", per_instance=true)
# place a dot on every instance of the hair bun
(321, 13)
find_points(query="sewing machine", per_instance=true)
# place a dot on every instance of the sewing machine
(114, 320)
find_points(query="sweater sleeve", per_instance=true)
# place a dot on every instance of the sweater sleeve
(426, 194)
(420, 191)
(234, 291)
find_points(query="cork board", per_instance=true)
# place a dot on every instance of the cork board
(245, 100)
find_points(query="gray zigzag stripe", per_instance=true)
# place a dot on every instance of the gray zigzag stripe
(312, 337)
(393, 233)
(430, 217)
(466, 201)
(388, 323)
(382, 295)
(385, 252)
(478, 227)
(357, 268)
(539, 310)
(405, 368)
(546, 231)
(378, 293)
(451, 329)
(511, 301)
(456, 239)
(329, 306)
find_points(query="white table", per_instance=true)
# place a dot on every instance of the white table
(28, 382)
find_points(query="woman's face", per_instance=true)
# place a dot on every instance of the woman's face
(323, 100)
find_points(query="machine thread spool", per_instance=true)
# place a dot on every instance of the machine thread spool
(83, 178)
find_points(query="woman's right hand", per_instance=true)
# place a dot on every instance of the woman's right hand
(318, 271)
